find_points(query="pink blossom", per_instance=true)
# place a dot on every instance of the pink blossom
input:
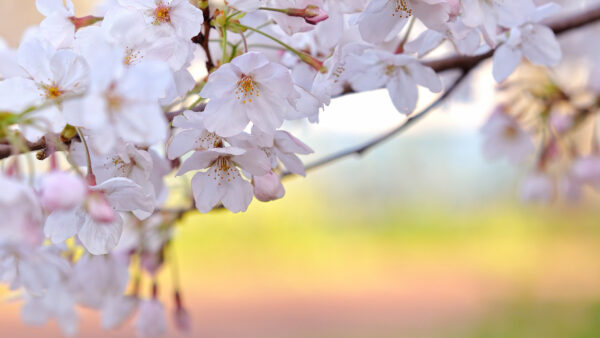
(268, 187)
(61, 190)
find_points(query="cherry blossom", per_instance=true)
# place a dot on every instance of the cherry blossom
(383, 20)
(116, 124)
(534, 41)
(504, 137)
(58, 26)
(56, 303)
(61, 190)
(151, 320)
(490, 14)
(400, 73)
(249, 89)
(268, 187)
(124, 100)
(538, 187)
(47, 74)
(223, 181)
(167, 17)
(96, 221)
(587, 170)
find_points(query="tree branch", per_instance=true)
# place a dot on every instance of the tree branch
(464, 63)
(363, 148)
(203, 38)
(6, 150)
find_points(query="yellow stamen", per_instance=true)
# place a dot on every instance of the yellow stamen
(162, 14)
(402, 9)
(246, 89)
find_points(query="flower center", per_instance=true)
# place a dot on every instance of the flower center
(510, 132)
(402, 9)
(53, 92)
(114, 101)
(224, 170)
(208, 141)
(390, 70)
(246, 89)
(132, 57)
(162, 14)
(124, 169)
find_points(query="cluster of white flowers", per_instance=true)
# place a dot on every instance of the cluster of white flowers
(145, 89)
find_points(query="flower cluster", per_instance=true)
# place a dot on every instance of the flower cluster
(140, 91)
(551, 127)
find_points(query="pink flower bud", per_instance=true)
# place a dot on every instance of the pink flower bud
(314, 15)
(182, 320)
(151, 321)
(538, 187)
(313, 62)
(61, 190)
(311, 14)
(454, 7)
(268, 187)
(84, 21)
(561, 123)
(587, 170)
(152, 261)
(99, 208)
(181, 316)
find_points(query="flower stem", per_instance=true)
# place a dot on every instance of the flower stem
(224, 46)
(87, 153)
(303, 56)
(400, 48)
(280, 10)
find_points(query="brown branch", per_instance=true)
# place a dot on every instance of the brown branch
(171, 115)
(359, 150)
(363, 148)
(6, 150)
(464, 63)
(559, 26)
(203, 38)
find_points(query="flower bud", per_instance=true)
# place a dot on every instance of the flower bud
(538, 188)
(152, 261)
(84, 21)
(313, 62)
(151, 319)
(561, 123)
(311, 14)
(268, 187)
(315, 14)
(182, 319)
(181, 316)
(61, 190)
(587, 170)
(99, 208)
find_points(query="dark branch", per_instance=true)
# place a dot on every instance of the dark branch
(464, 63)
(363, 148)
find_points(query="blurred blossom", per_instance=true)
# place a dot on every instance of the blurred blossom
(151, 320)
(504, 137)
(537, 187)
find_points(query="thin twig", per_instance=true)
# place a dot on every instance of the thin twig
(363, 148)
(559, 26)
(464, 63)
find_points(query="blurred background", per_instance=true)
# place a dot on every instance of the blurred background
(419, 238)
